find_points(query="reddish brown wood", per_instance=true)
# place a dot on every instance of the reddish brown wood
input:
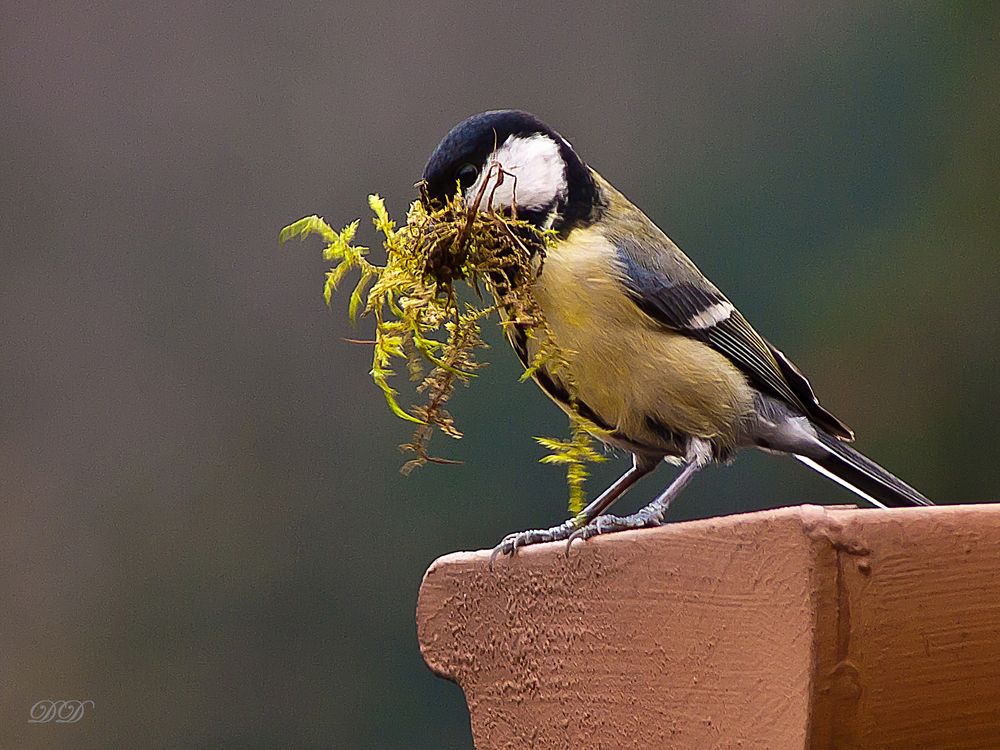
(797, 628)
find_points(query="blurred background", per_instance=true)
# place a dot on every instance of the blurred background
(203, 526)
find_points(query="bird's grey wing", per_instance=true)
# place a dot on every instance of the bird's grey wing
(681, 299)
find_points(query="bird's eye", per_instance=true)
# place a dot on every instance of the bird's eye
(467, 175)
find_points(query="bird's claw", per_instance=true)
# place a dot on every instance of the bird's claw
(610, 524)
(569, 531)
(510, 543)
(506, 547)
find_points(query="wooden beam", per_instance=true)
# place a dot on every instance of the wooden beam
(795, 628)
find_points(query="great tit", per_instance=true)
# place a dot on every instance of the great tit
(659, 359)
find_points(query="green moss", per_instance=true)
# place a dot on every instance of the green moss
(420, 322)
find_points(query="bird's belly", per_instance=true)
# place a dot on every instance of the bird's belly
(649, 384)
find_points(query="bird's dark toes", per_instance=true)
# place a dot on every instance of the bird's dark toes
(510, 543)
(610, 524)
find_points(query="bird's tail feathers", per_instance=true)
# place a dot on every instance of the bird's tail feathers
(862, 476)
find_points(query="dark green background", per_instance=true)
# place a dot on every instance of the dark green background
(203, 528)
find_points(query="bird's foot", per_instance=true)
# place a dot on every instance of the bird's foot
(509, 544)
(648, 516)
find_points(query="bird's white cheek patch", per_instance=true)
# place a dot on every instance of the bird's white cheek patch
(533, 174)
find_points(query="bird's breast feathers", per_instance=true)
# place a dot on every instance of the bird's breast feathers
(638, 377)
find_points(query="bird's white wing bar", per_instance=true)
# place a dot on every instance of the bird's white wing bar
(712, 315)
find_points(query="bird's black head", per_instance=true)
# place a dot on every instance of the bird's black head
(542, 174)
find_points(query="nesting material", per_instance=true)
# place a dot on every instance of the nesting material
(422, 320)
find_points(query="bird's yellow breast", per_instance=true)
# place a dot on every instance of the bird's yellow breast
(628, 369)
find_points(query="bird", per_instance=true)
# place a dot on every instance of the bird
(657, 357)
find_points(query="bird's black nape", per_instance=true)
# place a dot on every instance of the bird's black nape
(474, 139)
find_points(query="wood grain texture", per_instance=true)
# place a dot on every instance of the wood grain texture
(797, 628)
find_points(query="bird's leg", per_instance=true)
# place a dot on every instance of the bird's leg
(641, 466)
(699, 454)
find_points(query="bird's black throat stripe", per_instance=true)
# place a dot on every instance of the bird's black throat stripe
(557, 392)
(519, 340)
